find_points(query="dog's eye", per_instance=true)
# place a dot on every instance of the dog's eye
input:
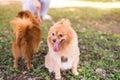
(60, 35)
(53, 34)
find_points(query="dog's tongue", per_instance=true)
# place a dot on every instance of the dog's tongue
(55, 48)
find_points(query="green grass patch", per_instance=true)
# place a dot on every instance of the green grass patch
(98, 49)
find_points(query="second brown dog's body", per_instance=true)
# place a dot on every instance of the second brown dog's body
(27, 37)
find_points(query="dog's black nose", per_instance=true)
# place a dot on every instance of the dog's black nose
(54, 40)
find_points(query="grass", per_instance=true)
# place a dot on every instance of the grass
(99, 59)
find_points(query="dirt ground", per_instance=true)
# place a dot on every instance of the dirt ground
(108, 28)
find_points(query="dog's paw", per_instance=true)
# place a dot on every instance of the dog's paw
(58, 77)
(29, 66)
(76, 73)
(15, 66)
(50, 70)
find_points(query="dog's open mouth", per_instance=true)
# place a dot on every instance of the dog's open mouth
(56, 45)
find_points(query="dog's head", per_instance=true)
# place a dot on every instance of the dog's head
(60, 35)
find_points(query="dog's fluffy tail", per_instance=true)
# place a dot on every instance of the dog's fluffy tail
(21, 27)
(28, 15)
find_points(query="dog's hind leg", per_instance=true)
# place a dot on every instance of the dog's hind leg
(28, 60)
(16, 54)
(16, 62)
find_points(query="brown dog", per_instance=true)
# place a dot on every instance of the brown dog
(27, 37)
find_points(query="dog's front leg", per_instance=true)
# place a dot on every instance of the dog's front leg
(74, 66)
(57, 73)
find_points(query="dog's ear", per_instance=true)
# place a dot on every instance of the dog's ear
(20, 14)
(23, 14)
(67, 22)
(27, 14)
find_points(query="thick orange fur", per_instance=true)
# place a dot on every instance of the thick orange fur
(63, 48)
(27, 37)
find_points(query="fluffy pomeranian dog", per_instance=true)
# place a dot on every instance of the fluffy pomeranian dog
(28, 35)
(63, 48)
